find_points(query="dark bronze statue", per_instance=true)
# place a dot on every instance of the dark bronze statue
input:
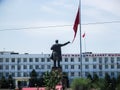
(56, 55)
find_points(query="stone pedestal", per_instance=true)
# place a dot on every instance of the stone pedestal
(63, 81)
(57, 69)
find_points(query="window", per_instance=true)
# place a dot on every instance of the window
(66, 59)
(72, 59)
(48, 59)
(1, 74)
(48, 66)
(100, 66)
(1, 59)
(31, 67)
(36, 66)
(19, 74)
(13, 59)
(7, 74)
(79, 59)
(25, 74)
(6, 67)
(42, 66)
(100, 59)
(86, 74)
(72, 66)
(94, 59)
(13, 74)
(25, 66)
(30, 59)
(118, 66)
(94, 66)
(79, 74)
(112, 73)
(86, 67)
(19, 60)
(1, 67)
(79, 66)
(106, 66)
(7, 59)
(24, 59)
(118, 59)
(100, 74)
(112, 59)
(13, 67)
(42, 59)
(36, 59)
(86, 59)
(72, 74)
(112, 66)
(106, 59)
(66, 66)
(19, 67)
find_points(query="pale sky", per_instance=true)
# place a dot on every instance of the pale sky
(100, 38)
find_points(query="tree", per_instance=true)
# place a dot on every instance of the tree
(4, 83)
(33, 82)
(95, 78)
(10, 81)
(113, 82)
(51, 79)
(80, 84)
(41, 80)
(89, 77)
(108, 83)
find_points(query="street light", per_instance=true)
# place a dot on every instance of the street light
(10, 85)
(35, 84)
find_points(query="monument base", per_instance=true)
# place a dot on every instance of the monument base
(57, 69)
(64, 78)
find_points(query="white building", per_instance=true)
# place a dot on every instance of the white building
(20, 65)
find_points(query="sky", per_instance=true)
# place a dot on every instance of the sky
(48, 20)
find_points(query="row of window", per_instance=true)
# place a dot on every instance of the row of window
(95, 66)
(106, 59)
(24, 59)
(12, 67)
(7, 67)
(100, 59)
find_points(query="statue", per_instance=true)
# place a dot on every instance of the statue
(56, 55)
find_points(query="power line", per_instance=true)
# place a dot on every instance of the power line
(101, 23)
(56, 26)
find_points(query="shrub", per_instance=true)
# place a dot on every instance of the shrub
(80, 84)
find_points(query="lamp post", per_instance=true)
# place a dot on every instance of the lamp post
(35, 84)
(10, 85)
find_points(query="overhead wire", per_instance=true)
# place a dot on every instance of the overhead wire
(56, 26)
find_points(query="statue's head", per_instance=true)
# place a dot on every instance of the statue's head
(56, 41)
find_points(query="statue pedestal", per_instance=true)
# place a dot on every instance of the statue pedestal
(57, 69)
(64, 76)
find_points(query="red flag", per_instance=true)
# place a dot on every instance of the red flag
(83, 35)
(77, 21)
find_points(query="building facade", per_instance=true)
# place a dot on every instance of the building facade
(20, 65)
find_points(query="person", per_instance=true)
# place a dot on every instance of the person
(56, 52)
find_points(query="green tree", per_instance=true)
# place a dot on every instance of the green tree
(89, 77)
(113, 82)
(95, 78)
(4, 83)
(108, 83)
(51, 79)
(118, 83)
(41, 80)
(33, 81)
(10, 81)
(80, 84)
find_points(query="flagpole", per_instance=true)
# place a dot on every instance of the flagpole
(85, 43)
(80, 36)
(84, 38)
